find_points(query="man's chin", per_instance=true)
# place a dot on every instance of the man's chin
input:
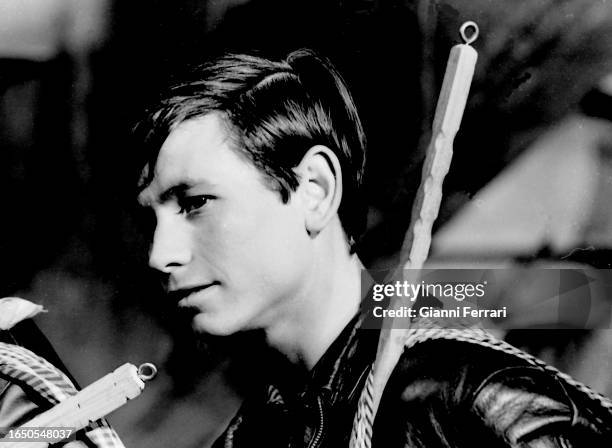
(207, 323)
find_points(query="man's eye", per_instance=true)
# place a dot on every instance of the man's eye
(192, 203)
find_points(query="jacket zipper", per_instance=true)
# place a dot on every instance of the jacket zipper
(319, 434)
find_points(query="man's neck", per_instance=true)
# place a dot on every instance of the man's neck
(317, 318)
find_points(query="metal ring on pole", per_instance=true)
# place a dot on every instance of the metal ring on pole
(464, 30)
(147, 371)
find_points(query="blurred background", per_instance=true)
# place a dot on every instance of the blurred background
(530, 184)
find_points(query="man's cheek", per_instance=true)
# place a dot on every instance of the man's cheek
(238, 229)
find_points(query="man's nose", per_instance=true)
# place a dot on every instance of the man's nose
(171, 247)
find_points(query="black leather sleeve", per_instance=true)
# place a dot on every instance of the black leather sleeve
(454, 395)
(529, 407)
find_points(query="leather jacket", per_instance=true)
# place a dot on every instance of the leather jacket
(442, 393)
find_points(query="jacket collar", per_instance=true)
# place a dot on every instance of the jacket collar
(343, 368)
(302, 401)
(340, 373)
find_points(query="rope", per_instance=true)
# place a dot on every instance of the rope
(30, 370)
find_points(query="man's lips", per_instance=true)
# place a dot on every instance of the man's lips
(181, 293)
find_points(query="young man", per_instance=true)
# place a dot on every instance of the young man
(253, 173)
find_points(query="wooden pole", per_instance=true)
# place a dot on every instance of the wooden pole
(415, 249)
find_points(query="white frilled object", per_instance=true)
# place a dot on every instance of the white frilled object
(14, 309)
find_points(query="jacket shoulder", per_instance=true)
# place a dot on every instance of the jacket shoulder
(452, 370)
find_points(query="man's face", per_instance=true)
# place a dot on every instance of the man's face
(226, 244)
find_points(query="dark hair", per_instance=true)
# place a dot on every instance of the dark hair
(276, 111)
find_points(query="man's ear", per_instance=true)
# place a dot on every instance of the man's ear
(320, 187)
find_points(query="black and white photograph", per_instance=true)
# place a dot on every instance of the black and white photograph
(364, 224)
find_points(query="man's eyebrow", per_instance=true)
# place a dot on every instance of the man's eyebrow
(174, 192)
(180, 189)
(177, 191)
